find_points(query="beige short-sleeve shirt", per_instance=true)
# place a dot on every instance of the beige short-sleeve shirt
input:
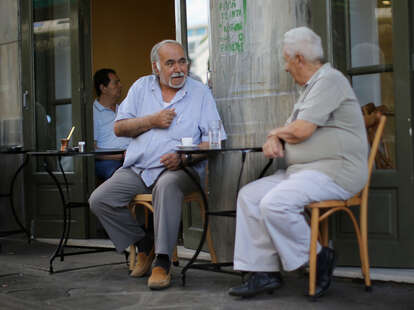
(338, 147)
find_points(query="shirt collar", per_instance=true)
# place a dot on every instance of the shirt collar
(98, 106)
(316, 75)
(155, 86)
(101, 108)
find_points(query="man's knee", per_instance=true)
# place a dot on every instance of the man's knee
(242, 196)
(95, 201)
(247, 194)
(167, 183)
(275, 205)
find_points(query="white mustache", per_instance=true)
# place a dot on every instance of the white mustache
(179, 74)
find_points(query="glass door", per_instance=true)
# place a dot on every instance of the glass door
(370, 42)
(53, 82)
(52, 75)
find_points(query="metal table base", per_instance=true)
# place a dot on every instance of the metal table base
(215, 267)
(10, 195)
(67, 206)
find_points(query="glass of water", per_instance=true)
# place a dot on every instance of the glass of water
(214, 134)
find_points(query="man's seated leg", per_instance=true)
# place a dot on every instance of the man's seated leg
(168, 194)
(254, 250)
(282, 212)
(109, 203)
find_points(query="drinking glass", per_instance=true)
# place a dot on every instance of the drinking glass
(214, 134)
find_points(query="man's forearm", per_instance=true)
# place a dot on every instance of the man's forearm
(134, 126)
(195, 158)
(295, 132)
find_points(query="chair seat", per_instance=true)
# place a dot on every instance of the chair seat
(354, 201)
(146, 201)
(143, 197)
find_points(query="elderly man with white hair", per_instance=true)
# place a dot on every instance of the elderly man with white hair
(158, 111)
(325, 149)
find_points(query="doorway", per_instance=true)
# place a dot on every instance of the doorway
(369, 41)
(63, 43)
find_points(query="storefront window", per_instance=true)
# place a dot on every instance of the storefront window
(52, 69)
(367, 57)
(197, 37)
(371, 33)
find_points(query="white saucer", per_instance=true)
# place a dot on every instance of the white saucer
(186, 147)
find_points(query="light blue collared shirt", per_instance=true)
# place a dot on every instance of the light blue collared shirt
(103, 128)
(195, 108)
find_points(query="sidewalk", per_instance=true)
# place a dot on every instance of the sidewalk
(103, 283)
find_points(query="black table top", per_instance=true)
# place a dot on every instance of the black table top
(16, 149)
(92, 152)
(196, 150)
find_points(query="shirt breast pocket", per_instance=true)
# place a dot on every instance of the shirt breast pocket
(184, 129)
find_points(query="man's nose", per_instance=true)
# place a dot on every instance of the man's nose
(176, 67)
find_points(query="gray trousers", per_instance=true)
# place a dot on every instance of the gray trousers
(109, 202)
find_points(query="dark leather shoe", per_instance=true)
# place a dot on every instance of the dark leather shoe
(259, 282)
(325, 265)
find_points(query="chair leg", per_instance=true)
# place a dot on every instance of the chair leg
(175, 260)
(312, 251)
(209, 239)
(132, 257)
(325, 232)
(365, 259)
(146, 217)
(211, 247)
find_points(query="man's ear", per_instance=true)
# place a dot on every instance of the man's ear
(300, 58)
(102, 87)
(155, 67)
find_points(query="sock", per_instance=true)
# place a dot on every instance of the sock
(163, 261)
(145, 244)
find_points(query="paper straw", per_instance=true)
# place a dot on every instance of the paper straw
(70, 133)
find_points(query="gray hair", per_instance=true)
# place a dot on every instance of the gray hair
(303, 41)
(155, 56)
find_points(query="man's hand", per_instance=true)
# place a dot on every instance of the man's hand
(273, 148)
(171, 161)
(164, 118)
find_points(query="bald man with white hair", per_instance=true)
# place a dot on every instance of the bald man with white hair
(325, 149)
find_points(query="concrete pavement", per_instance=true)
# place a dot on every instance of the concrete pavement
(102, 282)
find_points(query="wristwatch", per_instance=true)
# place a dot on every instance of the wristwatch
(186, 159)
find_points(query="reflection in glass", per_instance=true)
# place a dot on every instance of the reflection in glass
(52, 67)
(371, 33)
(378, 89)
(197, 37)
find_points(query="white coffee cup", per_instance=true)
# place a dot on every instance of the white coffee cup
(187, 141)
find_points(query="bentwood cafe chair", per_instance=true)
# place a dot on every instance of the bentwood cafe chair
(145, 200)
(320, 211)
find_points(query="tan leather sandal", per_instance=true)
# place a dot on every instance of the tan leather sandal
(143, 265)
(159, 278)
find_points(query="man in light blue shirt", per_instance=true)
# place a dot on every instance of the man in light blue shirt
(158, 111)
(108, 90)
